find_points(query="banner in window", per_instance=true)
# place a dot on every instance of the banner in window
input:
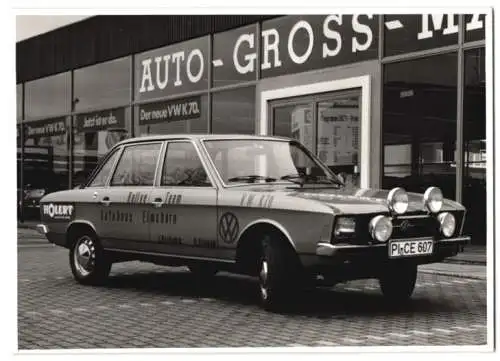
(101, 120)
(170, 111)
(45, 128)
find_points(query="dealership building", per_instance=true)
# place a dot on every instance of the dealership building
(394, 100)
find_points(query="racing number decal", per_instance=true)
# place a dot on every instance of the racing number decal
(228, 227)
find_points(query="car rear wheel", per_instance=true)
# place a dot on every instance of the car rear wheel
(279, 274)
(398, 282)
(88, 261)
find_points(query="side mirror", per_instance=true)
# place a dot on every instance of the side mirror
(78, 186)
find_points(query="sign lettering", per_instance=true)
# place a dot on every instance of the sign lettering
(45, 128)
(175, 110)
(102, 120)
(58, 211)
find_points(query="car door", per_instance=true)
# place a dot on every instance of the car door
(184, 221)
(89, 207)
(126, 202)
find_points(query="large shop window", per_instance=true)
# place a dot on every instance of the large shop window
(328, 125)
(185, 115)
(233, 111)
(48, 97)
(46, 161)
(103, 85)
(420, 124)
(474, 180)
(94, 134)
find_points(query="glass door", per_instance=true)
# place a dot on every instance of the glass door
(328, 124)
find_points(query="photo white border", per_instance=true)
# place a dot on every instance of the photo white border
(89, 7)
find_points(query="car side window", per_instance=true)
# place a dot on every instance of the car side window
(183, 167)
(103, 174)
(137, 165)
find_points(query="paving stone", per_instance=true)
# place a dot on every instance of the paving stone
(231, 318)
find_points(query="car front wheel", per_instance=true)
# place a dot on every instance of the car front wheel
(88, 261)
(398, 282)
(279, 275)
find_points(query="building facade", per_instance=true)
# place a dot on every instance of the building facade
(395, 100)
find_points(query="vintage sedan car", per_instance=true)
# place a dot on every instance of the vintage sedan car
(256, 205)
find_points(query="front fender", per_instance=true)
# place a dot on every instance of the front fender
(267, 221)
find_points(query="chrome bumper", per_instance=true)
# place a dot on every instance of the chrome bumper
(42, 229)
(327, 249)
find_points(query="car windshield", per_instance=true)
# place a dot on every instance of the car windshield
(267, 161)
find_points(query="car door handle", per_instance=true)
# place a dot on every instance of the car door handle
(105, 201)
(157, 203)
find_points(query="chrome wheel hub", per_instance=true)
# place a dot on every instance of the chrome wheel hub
(263, 274)
(84, 256)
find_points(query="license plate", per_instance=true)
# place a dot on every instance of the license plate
(410, 248)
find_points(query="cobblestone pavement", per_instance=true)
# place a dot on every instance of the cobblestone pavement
(150, 306)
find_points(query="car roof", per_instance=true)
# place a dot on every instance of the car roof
(163, 137)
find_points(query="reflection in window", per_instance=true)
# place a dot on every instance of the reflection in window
(233, 111)
(295, 121)
(338, 134)
(103, 174)
(103, 85)
(419, 124)
(183, 167)
(48, 97)
(137, 165)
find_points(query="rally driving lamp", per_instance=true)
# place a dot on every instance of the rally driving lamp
(397, 200)
(433, 199)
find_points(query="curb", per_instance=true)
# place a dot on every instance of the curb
(465, 262)
(452, 274)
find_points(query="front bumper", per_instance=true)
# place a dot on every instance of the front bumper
(331, 250)
(342, 262)
(53, 237)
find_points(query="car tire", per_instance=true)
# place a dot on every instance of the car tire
(88, 261)
(398, 282)
(279, 274)
(203, 271)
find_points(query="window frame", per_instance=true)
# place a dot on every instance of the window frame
(138, 144)
(161, 166)
(118, 150)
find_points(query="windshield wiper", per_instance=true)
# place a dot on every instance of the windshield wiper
(251, 178)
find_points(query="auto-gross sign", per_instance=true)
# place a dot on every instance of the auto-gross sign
(287, 45)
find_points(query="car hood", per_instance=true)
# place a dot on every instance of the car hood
(352, 200)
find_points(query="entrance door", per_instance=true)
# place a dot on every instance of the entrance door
(328, 124)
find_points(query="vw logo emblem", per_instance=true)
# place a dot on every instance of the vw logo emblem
(228, 227)
(405, 225)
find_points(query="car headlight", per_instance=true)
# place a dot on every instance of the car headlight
(447, 224)
(345, 225)
(433, 199)
(397, 199)
(380, 228)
